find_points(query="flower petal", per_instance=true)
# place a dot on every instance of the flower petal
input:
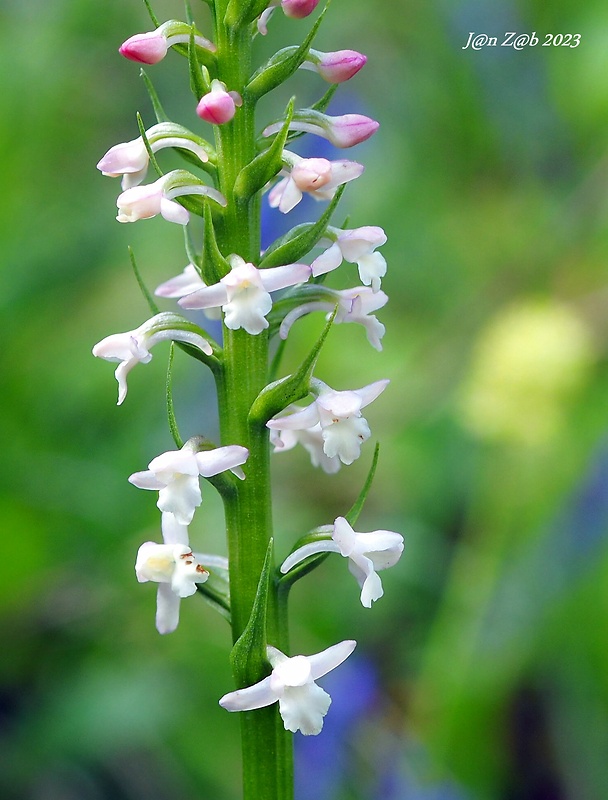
(167, 609)
(323, 662)
(257, 696)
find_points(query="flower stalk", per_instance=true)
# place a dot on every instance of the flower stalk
(230, 279)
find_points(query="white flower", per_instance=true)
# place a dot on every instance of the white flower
(144, 202)
(354, 305)
(343, 428)
(317, 176)
(175, 475)
(130, 159)
(356, 246)
(176, 570)
(311, 440)
(244, 295)
(133, 347)
(302, 704)
(366, 553)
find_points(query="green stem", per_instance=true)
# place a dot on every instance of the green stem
(267, 747)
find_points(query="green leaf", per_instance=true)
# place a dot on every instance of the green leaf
(323, 103)
(193, 256)
(353, 514)
(266, 165)
(214, 265)
(170, 407)
(282, 64)
(278, 395)
(159, 111)
(188, 13)
(297, 242)
(241, 12)
(198, 84)
(248, 657)
(310, 563)
(153, 16)
(144, 289)
(151, 156)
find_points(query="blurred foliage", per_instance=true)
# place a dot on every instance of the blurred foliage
(487, 658)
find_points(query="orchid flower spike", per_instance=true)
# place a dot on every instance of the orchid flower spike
(343, 428)
(366, 553)
(130, 159)
(335, 67)
(296, 9)
(152, 47)
(133, 347)
(344, 131)
(244, 293)
(354, 305)
(175, 475)
(144, 202)
(302, 704)
(357, 246)
(176, 570)
(218, 105)
(318, 177)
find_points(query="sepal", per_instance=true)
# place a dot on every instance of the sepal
(275, 397)
(297, 242)
(266, 165)
(248, 658)
(159, 111)
(282, 64)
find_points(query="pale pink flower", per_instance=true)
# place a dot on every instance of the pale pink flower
(318, 177)
(244, 293)
(218, 105)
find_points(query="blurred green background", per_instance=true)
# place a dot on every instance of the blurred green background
(482, 673)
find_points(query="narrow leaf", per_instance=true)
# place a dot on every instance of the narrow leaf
(153, 16)
(352, 515)
(193, 257)
(144, 289)
(278, 395)
(159, 111)
(299, 241)
(170, 407)
(214, 265)
(266, 165)
(151, 156)
(282, 65)
(248, 657)
(197, 82)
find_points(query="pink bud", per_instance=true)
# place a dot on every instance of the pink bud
(339, 66)
(311, 174)
(218, 106)
(351, 129)
(145, 48)
(298, 9)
